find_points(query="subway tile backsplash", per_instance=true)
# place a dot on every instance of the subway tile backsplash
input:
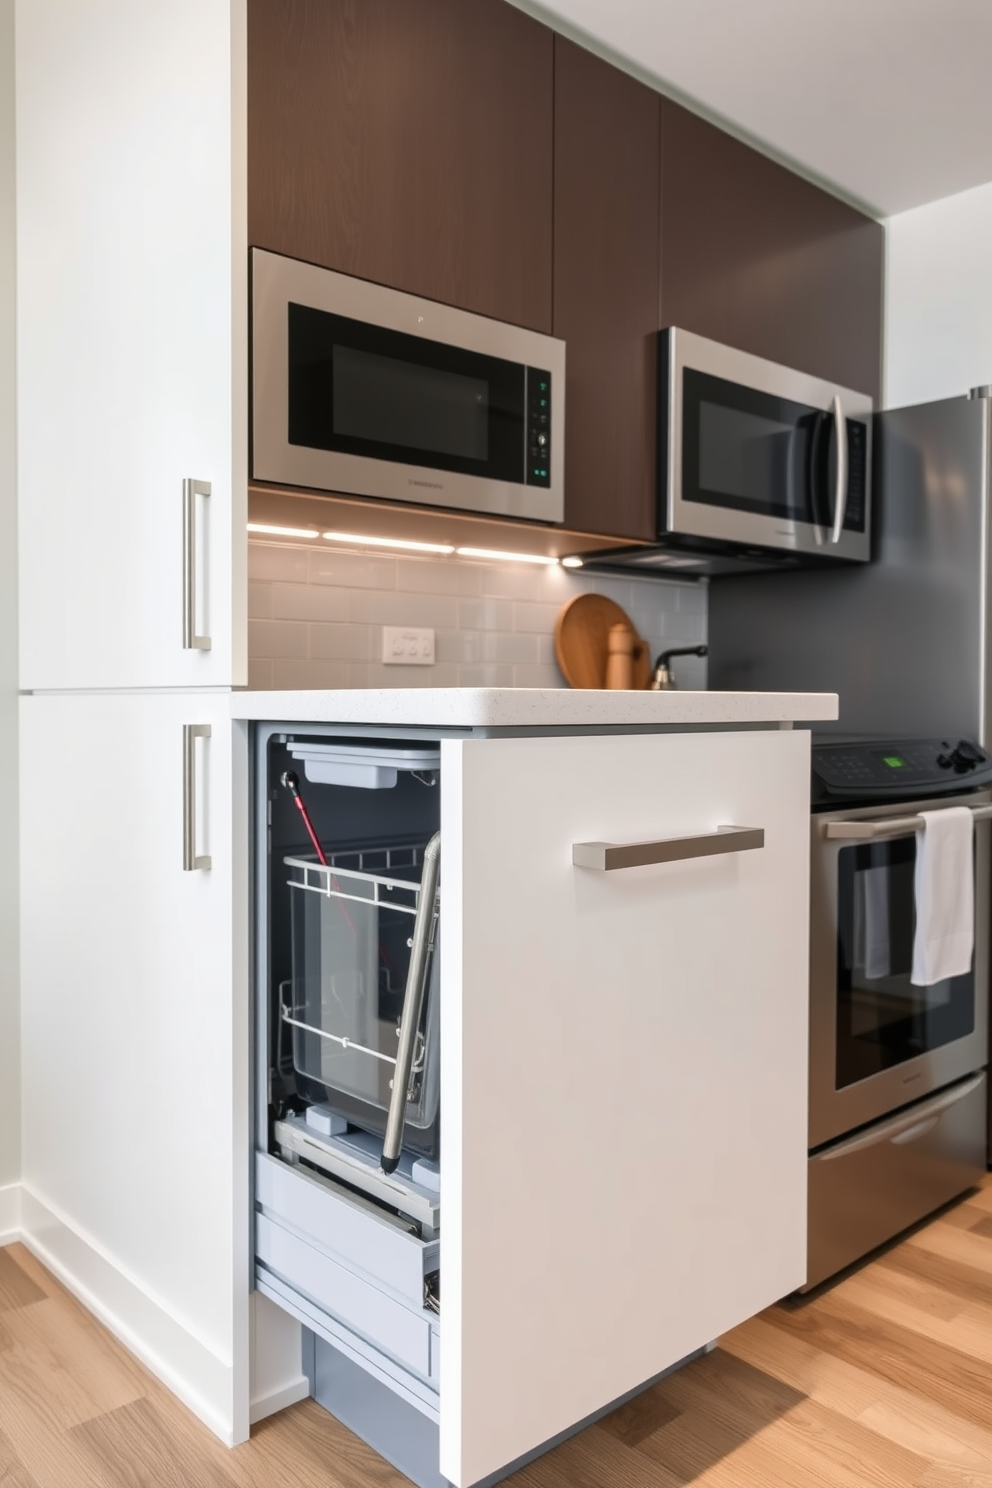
(316, 617)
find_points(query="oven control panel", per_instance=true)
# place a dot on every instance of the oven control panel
(890, 769)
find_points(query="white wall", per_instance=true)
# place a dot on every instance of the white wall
(10, 1135)
(938, 299)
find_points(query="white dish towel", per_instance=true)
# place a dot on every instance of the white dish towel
(945, 896)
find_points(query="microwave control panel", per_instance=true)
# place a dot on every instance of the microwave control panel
(889, 769)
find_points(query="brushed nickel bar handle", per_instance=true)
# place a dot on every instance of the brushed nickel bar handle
(605, 857)
(191, 858)
(191, 641)
(893, 826)
(413, 1000)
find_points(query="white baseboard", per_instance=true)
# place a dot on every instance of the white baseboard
(10, 1213)
(277, 1400)
(184, 1363)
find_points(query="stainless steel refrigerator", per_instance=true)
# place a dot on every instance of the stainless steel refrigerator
(902, 640)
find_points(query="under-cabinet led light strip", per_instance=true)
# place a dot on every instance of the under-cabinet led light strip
(366, 540)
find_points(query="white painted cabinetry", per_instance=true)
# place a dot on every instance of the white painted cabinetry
(132, 361)
(134, 1016)
(623, 1064)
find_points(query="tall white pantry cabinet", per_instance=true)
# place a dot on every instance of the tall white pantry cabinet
(132, 447)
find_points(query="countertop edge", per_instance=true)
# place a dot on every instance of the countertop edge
(512, 707)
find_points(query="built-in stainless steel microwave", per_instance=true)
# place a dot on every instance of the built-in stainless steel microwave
(759, 466)
(366, 390)
(753, 453)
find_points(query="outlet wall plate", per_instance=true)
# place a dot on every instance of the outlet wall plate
(407, 645)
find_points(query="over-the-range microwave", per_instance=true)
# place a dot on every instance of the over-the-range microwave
(759, 466)
(366, 390)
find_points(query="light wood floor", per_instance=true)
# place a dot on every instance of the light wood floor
(883, 1381)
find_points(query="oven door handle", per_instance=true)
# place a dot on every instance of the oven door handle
(413, 1001)
(892, 826)
(908, 1127)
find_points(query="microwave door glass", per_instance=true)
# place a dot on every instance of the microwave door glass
(367, 390)
(750, 451)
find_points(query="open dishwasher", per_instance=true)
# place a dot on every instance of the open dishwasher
(347, 1185)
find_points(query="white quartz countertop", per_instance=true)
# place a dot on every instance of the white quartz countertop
(532, 707)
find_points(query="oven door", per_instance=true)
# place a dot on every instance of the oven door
(877, 1042)
(759, 455)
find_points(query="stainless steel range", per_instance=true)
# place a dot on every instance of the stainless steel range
(897, 1084)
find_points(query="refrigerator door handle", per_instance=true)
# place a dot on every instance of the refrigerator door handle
(840, 493)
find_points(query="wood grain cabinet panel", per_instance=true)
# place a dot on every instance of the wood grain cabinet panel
(606, 289)
(407, 142)
(759, 258)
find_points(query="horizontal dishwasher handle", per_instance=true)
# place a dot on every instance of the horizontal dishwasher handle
(607, 856)
(888, 826)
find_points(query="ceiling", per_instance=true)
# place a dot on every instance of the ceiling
(887, 101)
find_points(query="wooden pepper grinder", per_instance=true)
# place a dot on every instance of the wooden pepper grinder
(620, 657)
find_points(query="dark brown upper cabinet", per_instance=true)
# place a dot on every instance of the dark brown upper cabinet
(606, 266)
(408, 142)
(760, 259)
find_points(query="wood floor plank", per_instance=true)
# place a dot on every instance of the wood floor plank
(133, 1448)
(893, 1412)
(58, 1361)
(306, 1447)
(647, 1412)
(952, 1277)
(917, 1293)
(16, 1287)
(968, 1331)
(13, 1473)
(963, 1246)
(936, 1372)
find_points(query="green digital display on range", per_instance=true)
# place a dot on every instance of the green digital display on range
(893, 761)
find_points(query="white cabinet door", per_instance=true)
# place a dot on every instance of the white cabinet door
(132, 307)
(623, 1071)
(134, 1028)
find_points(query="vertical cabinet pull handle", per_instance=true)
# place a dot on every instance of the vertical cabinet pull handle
(191, 859)
(191, 641)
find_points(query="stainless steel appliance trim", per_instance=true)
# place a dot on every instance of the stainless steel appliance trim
(840, 487)
(605, 857)
(191, 641)
(906, 1127)
(696, 519)
(833, 1112)
(413, 997)
(191, 858)
(893, 826)
(276, 281)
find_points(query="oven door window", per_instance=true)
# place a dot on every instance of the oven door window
(366, 390)
(882, 1018)
(753, 452)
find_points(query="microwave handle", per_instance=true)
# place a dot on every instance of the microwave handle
(413, 1001)
(840, 494)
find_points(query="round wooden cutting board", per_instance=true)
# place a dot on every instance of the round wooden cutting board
(581, 641)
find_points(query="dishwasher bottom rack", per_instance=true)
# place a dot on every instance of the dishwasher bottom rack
(355, 1158)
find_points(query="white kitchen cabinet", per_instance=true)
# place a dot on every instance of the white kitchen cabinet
(623, 1071)
(132, 336)
(134, 1018)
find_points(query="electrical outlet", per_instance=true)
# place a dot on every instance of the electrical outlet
(404, 645)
